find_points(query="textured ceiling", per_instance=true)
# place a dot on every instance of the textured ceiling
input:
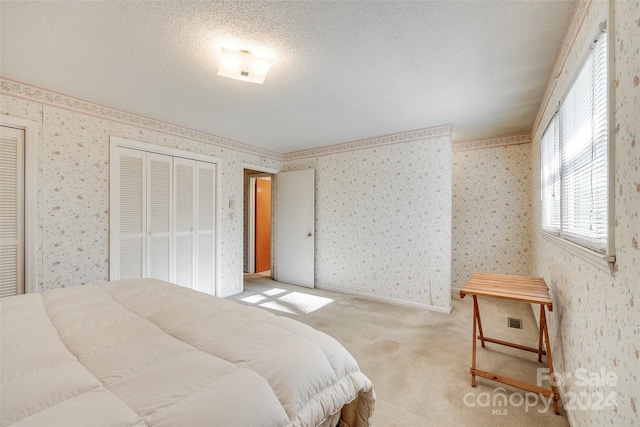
(342, 71)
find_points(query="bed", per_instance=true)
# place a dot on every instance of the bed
(149, 353)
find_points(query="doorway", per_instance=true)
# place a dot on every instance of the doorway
(258, 222)
(292, 237)
(262, 224)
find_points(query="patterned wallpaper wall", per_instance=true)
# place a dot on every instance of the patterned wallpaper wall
(73, 181)
(595, 323)
(400, 185)
(491, 207)
(383, 216)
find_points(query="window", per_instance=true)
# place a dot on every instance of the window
(574, 159)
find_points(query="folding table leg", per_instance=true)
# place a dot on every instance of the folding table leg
(476, 310)
(473, 352)
(543, 327)
(541, 332)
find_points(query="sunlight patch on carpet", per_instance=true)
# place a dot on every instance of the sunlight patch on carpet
(291, 302)
(254, 299)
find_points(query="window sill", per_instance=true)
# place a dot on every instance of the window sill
(596, 259)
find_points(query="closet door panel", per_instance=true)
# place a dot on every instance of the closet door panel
(132, 214)
(205, 227)
(11, 211)
(163, 211)
(159, 205)
(184, 221)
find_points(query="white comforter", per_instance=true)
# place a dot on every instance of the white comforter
(149, 353)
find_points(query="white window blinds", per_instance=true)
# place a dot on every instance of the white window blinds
(574, 158)
(550, 179)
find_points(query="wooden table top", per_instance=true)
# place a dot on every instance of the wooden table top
(516, 288)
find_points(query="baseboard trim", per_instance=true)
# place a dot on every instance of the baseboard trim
(568, 414)
(386, 299)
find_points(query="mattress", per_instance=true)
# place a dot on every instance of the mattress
(149, 353)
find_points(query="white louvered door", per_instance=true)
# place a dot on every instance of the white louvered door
(163, 218)
(11, 211)
(159, 171)
(205, 226)
(132, 225)
(184, 221)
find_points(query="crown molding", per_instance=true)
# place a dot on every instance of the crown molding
(9, 87)
(44, 96)
(572, 32)
(501, 141)
(577, 20)
(397, 138)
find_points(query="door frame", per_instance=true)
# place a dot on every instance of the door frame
(251, 247)
(30, 128)
(251, 214)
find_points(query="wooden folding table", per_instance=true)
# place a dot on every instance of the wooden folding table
(532, 290)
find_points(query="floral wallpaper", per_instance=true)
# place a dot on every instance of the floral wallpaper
(73, 182)
(48, 97)
(491, 207)
(383, 216)
(595, 322)
(400, 184)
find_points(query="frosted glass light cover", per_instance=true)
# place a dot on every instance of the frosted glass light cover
(243, 66)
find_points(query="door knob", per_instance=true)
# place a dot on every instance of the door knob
(309, 234)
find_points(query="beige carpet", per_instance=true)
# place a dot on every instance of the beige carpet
(419, 360)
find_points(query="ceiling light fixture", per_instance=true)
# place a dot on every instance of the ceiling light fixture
(243, 65)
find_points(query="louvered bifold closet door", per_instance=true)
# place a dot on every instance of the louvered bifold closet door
(184, 176)
(159, 171)
(205, 227)
(132, 228)
(11, 211)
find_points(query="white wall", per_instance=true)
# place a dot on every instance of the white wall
(73, 181)
(491, 207)
(595, 323)
(383, 216)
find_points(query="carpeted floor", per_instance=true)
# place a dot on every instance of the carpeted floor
(419, 360)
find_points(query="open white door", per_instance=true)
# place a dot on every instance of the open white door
(294, 233)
